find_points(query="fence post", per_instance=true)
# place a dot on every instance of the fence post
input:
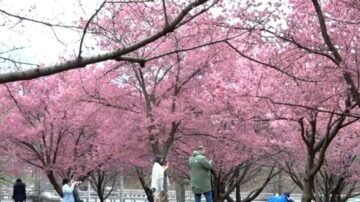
(121, 188)
(89, 191)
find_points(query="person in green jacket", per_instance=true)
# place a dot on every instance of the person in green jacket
(200, 175)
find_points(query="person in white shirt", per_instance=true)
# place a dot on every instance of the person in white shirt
(157, 179)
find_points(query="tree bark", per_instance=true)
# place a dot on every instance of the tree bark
(55, 183)
(237, 193)
(307, 195)
(180, 190)
(147, 190)
(309, 177)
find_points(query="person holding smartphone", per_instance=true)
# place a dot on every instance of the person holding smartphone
(68, 190)
(157, 179)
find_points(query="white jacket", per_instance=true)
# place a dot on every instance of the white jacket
(157, 179)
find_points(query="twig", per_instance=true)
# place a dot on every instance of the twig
(86, 27)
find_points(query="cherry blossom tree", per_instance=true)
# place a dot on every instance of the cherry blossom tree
(339, 183)
(322, 100)
(182, 72)
(53, 130)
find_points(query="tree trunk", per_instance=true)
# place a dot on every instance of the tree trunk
(308, 180)
(54, 183)
(165, 196)
(308, 189)
(237, 193)
(147, 190)
(101, 199)
(318, 194)
(99, 188)
(216, 187)
(229, 199)
(279, 183)
(180, 190)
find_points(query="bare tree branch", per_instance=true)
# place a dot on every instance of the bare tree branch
(310, 108)
(22, 18)
(17, 62)
(165, 13)
(346, 74)
(114, 55)
(301, 46)
(87, 26)
(265, 64)
(324, 32)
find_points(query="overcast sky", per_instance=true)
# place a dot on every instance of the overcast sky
(39, 42)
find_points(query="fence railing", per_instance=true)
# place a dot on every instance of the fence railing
(133, 195)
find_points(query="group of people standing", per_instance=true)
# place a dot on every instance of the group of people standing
(200, 180)
(69, 189)
(200, 176)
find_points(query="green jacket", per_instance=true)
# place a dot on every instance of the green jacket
(200, 176)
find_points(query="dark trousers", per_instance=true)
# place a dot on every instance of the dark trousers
(208, 196)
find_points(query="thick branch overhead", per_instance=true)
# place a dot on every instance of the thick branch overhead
(114, 55)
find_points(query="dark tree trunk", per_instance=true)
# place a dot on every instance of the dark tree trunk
(307, 195)
(165, 196)
(54, 183)
(147, 189)
(237, 193)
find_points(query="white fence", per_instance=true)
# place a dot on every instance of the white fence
(131, 195)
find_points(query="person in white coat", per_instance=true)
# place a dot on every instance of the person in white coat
(157, 179)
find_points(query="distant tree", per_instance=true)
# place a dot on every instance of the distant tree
(50, 129)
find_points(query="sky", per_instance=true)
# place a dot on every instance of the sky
(40, 44)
